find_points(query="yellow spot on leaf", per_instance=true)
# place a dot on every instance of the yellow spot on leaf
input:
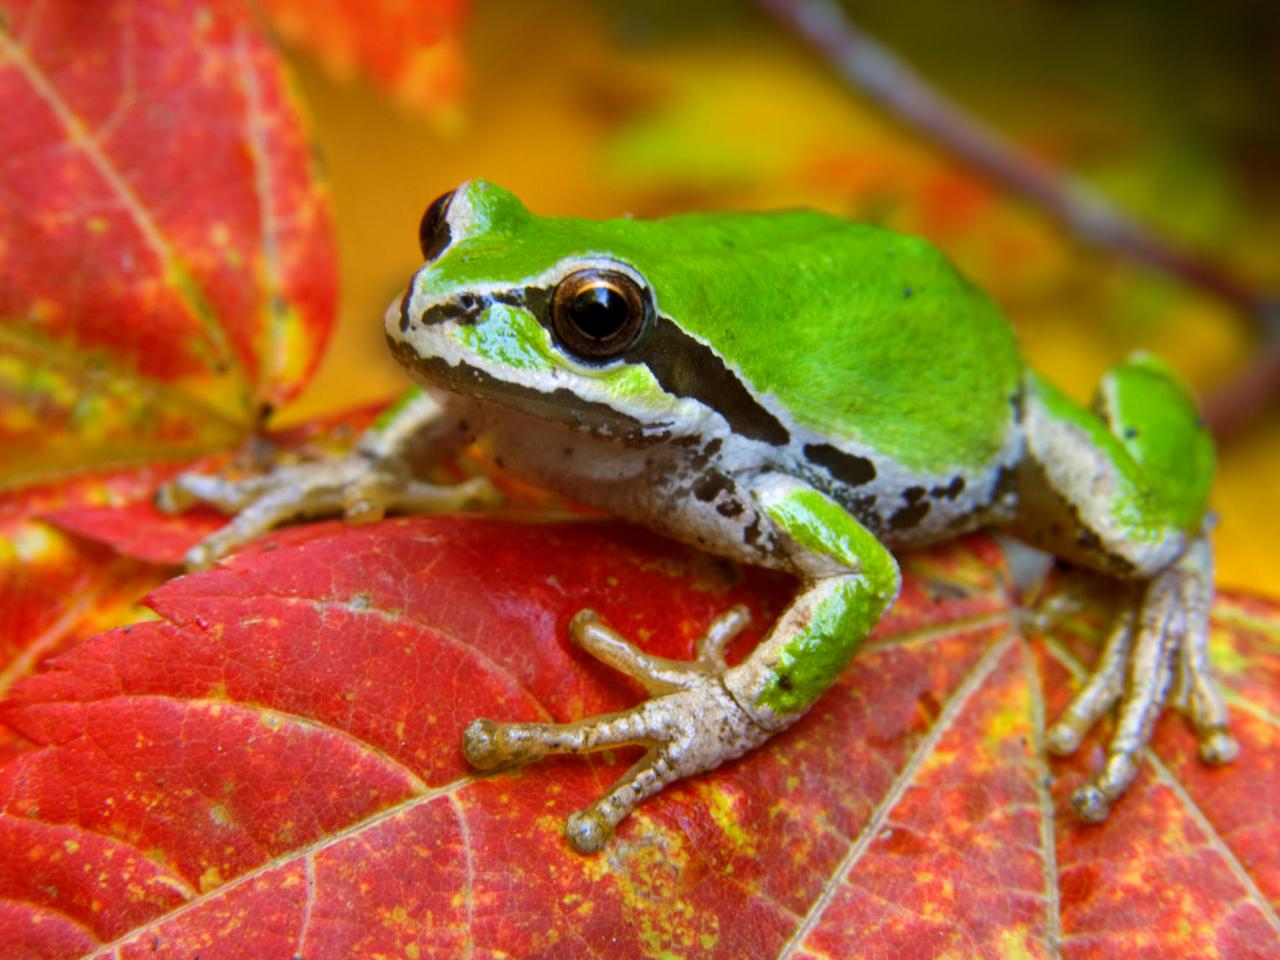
(1013, 944)
(211, 879)
(722, 803)
(1008, 723)
(1227, 659)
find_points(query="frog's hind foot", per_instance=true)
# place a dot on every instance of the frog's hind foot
(691, 724)
(1157, 653)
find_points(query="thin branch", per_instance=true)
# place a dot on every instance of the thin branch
(1250, 389)
(881, 76)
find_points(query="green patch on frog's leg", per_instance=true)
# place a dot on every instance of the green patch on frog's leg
(1156, 420)
(851, 580)
(1121, 488)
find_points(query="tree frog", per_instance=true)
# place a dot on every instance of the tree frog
(787, 389)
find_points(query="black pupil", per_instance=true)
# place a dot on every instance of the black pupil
(599, 311)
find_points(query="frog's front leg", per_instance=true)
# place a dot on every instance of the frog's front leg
(378, 476)
(703, 713)
(1121, 490)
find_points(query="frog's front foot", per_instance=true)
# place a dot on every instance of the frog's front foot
(1156, 653)
(691, 724)
(356, 486)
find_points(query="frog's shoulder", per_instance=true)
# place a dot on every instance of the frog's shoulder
(865, 335)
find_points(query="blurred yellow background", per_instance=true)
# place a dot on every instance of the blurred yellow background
(597, 109)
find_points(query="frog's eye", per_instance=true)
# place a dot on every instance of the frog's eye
(433, 231)
(597, 314)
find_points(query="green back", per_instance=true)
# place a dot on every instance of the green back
(856, 331)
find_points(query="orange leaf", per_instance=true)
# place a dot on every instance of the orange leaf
(412, 49)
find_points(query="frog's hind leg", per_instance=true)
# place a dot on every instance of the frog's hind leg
(675, 747)
(1121, 490)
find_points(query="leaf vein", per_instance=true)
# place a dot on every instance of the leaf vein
(1048, 823)
(42, 908)
(1213, 837)
(353, 831)
(78, 135)
(268, 226)
(954, 704)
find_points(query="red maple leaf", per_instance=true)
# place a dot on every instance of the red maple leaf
(278, 755)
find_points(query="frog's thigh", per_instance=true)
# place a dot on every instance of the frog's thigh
(1120, 490)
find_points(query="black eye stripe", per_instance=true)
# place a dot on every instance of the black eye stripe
(686, 367)
(683, 366)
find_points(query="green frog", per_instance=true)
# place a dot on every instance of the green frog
(788, 389)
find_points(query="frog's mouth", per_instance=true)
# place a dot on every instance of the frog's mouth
(560, 405)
